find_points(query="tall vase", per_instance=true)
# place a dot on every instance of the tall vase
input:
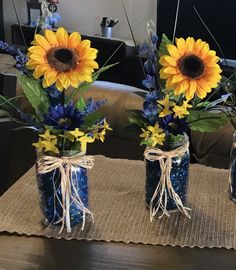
(167, 172)
(232, 170)
(63, 190)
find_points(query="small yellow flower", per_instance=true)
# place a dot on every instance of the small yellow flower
(145, 134)
(106, 125)
(155, 129)
(153, 135)
(157, 139)
(182, 111)
(102, 134)
(47, 136)
(39, 145)
(186, 105)
(167, 104)
(84, 140)
(76, 134)
(50, 146)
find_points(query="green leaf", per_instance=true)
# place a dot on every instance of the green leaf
(81, 104)
(137, 119)
(162, 49)
(206, 121)
(91, 120)
(35, 94)
(4, 114)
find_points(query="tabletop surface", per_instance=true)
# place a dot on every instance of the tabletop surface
(20, 252)
(28, 252)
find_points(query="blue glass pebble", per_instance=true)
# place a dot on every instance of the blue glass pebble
(179, 179)
(50, 202)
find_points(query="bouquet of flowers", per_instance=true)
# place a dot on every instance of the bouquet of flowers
(58, 66)
(55, 62)
(179, 78)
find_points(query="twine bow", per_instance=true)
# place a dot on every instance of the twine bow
(164, 186)
(46, 164)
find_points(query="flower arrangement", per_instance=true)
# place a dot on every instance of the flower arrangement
(58, 66)
(179, 77)
(56, 62)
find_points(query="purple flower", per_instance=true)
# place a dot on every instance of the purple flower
(64, 117)
(149, 82)
(150, 106)
(173, 125)
(92, 106)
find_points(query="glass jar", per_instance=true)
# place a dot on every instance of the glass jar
(178, 175)
(232, 170)
(50, 191)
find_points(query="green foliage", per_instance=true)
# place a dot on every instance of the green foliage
(4, 114)
(136, 118)
(206, 121)
(162, 49)
(91, 120)
(35, 94)
(81, 104)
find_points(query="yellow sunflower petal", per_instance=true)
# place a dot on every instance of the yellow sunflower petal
(38, 58)
(198, 46)
(40, 70)
(42, 42)
(167, 60)
(204, 51)
(180, 42)
(59, 85)
(74, 39)
(173, 51)
(181, 87)
(163, 75)
(192, 89)
(37, 50)
(189, 44)
(51, 37)
(169, 84)
(177, 78)
(170, 70)
(62, 37)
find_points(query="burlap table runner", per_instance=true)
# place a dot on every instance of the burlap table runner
(117, 201)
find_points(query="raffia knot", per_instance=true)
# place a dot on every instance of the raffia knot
(46, 164)
(164, 187)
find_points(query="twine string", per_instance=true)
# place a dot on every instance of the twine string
(69, 193)
(164, 187)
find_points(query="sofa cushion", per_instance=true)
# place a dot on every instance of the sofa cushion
(213, 149)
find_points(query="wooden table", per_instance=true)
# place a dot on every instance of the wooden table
(20, 252)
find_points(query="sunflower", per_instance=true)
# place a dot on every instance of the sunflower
(190, 68)
(62, 59)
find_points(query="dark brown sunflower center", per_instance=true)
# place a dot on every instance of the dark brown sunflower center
(191, 66)
(62, 59)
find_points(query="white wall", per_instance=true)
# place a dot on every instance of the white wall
(10, 17)
(85, 15)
